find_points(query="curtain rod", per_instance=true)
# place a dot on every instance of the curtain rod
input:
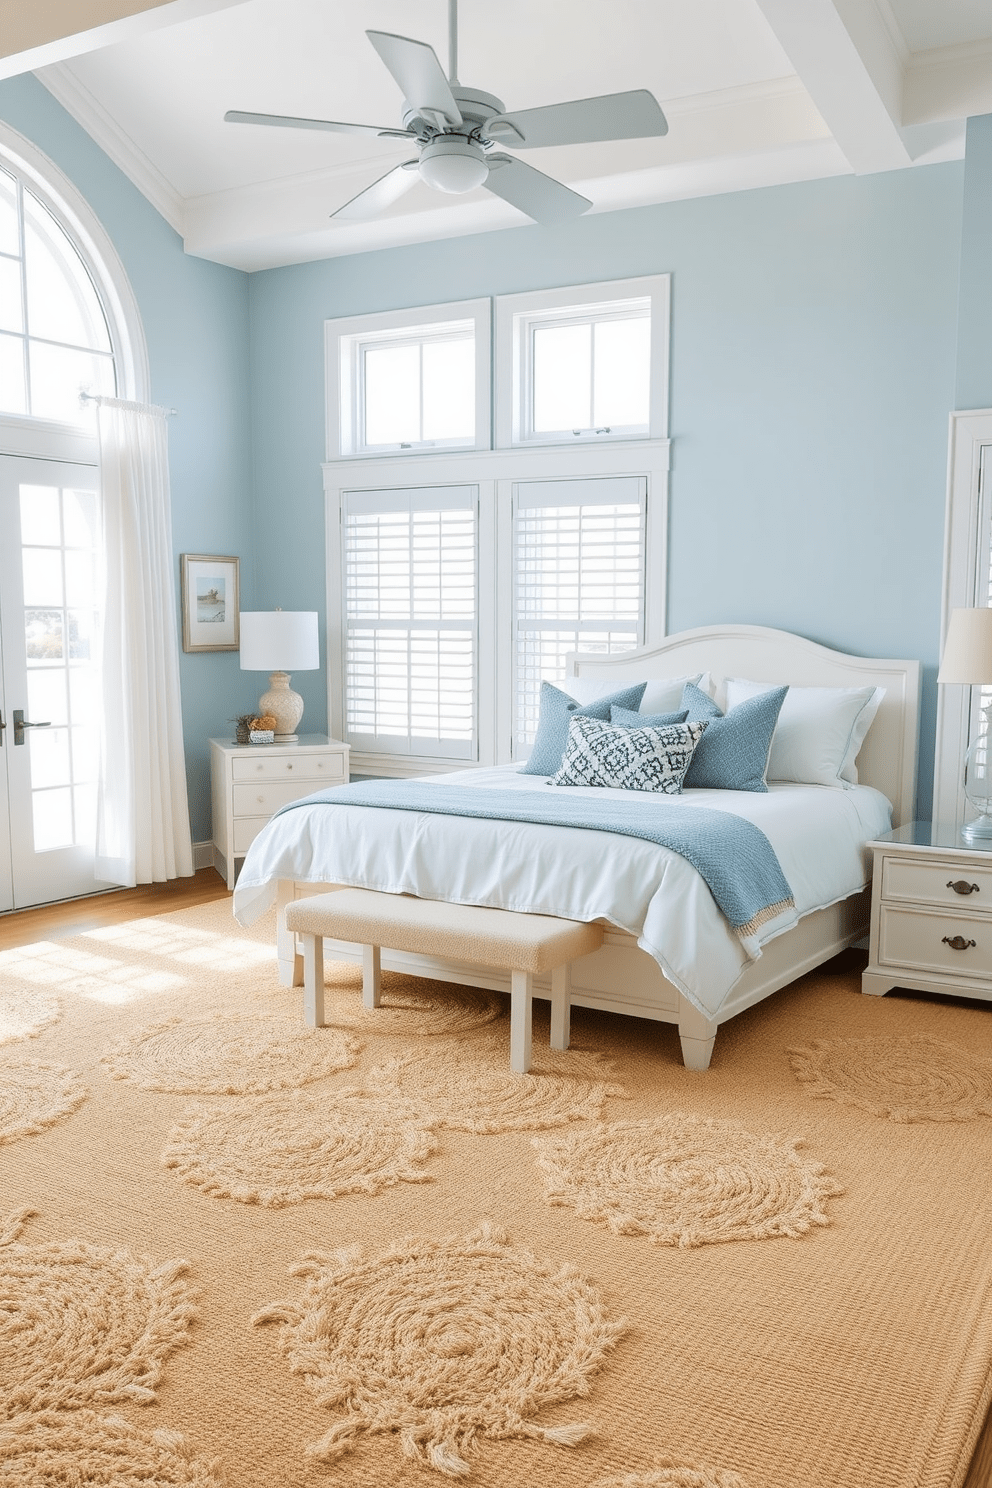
(126, 403)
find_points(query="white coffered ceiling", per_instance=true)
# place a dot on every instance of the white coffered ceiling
(757, 92)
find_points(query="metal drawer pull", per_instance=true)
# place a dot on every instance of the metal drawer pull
(958, 943)
(962, 886)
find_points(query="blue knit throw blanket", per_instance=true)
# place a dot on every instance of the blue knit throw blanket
(733, 856)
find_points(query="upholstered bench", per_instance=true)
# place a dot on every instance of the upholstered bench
(523, 944)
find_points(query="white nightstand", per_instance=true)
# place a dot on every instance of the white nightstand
(931, 913)
(248, 782)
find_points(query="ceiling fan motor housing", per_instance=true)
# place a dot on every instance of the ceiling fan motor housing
(453, 163)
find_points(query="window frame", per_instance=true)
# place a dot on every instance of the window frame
(344, 338)
(495, 474)
(517, 315)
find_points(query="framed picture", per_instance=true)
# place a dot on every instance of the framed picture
(209, 599)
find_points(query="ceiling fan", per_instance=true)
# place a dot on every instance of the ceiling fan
(457, 131)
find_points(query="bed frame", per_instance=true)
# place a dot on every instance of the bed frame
(621, 978)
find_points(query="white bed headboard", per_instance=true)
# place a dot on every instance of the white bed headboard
(889, 754)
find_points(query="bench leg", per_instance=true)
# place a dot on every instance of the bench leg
(521, 1000)
(560, 1008)
(290, 962)
(313, 980)
(371, 975)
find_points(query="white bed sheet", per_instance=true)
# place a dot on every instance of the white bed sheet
(818, 835)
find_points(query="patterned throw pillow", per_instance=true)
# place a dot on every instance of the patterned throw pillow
(644, 759)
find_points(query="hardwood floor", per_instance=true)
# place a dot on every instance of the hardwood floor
(73, 916)
(51, 921)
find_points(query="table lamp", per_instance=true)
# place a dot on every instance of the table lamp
(967, 660)
(280, 642)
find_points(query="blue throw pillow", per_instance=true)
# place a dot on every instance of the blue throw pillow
(733, 752)
(626, 719)
(552, 722)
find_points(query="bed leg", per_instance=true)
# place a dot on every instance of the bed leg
(561, 987)
(313, 981)
(289, 958)
(371, 975)
(697, 1034)
(521, 1000)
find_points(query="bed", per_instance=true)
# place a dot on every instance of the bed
(668, 953)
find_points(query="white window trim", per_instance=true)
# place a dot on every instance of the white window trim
(494, 474)
(511, 379)
(341, 412)
(969, 460)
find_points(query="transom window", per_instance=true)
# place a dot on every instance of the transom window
(54, 336)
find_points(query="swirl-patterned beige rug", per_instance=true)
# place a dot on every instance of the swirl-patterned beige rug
(237, 1253)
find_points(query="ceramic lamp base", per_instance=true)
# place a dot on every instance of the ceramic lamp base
(284, 705)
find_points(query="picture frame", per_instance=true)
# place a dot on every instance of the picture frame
(210, 602)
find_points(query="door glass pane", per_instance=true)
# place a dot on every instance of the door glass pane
(42, 576)
(562, 378)
(40, 515)
(49, 757)
(622, 372)
(9, 234)
(12, 399)
(62, 302)
(58, 374)
(82, 695)
(80, 634)
(52, 811)
(78, 578)
(11, 313)
(43, 635)
(83, 742)
(47, 695)
(79, 516)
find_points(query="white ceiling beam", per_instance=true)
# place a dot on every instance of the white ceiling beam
(849, 62)
(46, 31)
(949, 83)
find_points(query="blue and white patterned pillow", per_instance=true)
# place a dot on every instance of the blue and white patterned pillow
(644, 759)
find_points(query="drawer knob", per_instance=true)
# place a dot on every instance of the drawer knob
(289, 767)
(957, 942)
(962, 886)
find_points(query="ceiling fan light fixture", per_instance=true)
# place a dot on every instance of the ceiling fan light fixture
(453, 164)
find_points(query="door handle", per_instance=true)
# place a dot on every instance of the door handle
(2, 727)
(21, 723)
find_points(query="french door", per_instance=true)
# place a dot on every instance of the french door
(49, 527)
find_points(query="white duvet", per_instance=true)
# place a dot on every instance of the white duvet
(818, 835)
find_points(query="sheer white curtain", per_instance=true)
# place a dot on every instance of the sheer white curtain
(143, 831)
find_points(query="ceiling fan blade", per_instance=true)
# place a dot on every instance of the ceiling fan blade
(382, 193)
(287, 121)
(540, 196)
(614, 116)
(420, 75)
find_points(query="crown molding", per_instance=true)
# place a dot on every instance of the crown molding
(953, 82)
(103, 128)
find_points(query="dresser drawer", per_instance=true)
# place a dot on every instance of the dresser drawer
(328, 768)
(918, 939)
(931, 883)
(246, 829)
(265, 797)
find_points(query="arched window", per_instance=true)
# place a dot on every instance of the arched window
(68, 319)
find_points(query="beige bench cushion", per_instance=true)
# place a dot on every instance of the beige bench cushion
(464, 932)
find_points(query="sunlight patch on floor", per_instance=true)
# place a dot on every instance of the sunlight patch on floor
(191, 947)
(99, 978)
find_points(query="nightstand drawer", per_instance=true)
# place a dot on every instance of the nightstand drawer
(246, 829)
(266, 797)
(931, 883)
(932, 942)
(317, 767)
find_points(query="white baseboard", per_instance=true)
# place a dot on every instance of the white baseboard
(203, 855)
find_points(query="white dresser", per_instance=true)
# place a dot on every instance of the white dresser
(931, 913)
(249, 782)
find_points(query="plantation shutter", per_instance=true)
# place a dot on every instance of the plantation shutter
(578, 580)
(410, 585)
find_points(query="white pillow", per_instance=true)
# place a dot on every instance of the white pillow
(661, 695)
(819, 730)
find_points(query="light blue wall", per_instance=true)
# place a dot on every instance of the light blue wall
(195, 316)
(974, 368)
(813, 367)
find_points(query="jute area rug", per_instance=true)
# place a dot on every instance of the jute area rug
(237, 1252)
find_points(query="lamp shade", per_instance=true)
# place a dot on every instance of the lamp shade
(967, 655)
(279, 641)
